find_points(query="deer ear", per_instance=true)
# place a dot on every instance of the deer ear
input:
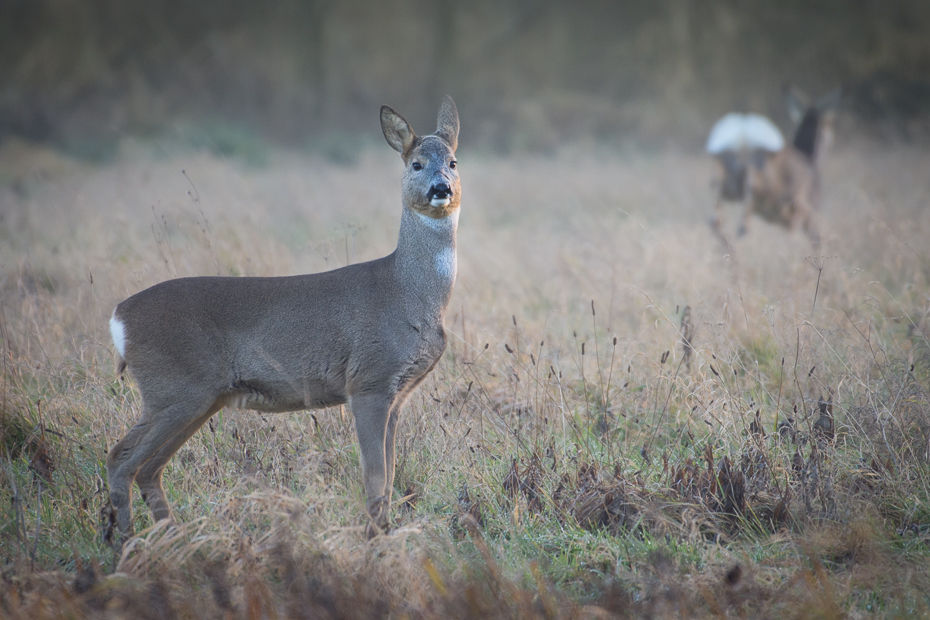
(831, 101)
(398, 132)
(447, 126)
(797, 103)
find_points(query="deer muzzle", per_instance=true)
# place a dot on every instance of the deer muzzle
(439, 195)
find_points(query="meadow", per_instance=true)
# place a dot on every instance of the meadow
(629, 420)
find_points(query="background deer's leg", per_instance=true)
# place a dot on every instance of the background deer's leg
(744, 223)
(716, 225)
(749, 201)
(812, 228)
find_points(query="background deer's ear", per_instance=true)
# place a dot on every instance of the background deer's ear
(831, 101)
(398, 132)
(447, 127)
(797, 103)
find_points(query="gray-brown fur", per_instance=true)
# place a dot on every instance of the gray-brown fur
(365, 335)
(782, 187)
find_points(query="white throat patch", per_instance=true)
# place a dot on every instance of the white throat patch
(446, 263)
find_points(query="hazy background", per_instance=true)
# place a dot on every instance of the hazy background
(527, 75)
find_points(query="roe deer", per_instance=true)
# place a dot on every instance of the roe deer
(366, 335)
(780, 183)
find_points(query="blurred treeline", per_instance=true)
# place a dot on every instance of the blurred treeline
(527, 74)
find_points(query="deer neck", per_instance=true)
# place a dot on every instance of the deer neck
(425, 258)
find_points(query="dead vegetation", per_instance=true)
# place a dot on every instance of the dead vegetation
(625, 424)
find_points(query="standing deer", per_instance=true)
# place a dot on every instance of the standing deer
(780, 183)
(366, 335)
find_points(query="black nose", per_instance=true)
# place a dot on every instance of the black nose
(440, 190)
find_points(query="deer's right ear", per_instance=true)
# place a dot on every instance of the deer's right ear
(447, 127)
(831, 101)
(398, 132)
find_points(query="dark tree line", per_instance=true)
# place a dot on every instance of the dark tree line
(527, 74)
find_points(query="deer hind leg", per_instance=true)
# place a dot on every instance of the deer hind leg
(158, 430)
(812, 229)
(372, 414)
(805, 214)
(716, 225)
(121, 472)
(149, 477)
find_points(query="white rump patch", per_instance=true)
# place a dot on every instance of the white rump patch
(446, 263)
(118, 332)
(735, 131)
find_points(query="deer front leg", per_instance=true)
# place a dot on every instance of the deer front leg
(744, 223)
(389, 456)
(812, 228)
(372, 412)
(753, 195)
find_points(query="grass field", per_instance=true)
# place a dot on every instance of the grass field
(569, 457)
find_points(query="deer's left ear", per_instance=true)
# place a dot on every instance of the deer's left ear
(447, 126)
(398, 132)
(798, 103)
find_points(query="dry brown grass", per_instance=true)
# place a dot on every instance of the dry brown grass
(562, 461)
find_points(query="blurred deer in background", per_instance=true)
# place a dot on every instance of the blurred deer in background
(779, 182)
(366, 334)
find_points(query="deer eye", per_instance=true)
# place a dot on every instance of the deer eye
(453, 164)
(416, 166)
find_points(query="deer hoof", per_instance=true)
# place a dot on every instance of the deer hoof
(376, 529)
